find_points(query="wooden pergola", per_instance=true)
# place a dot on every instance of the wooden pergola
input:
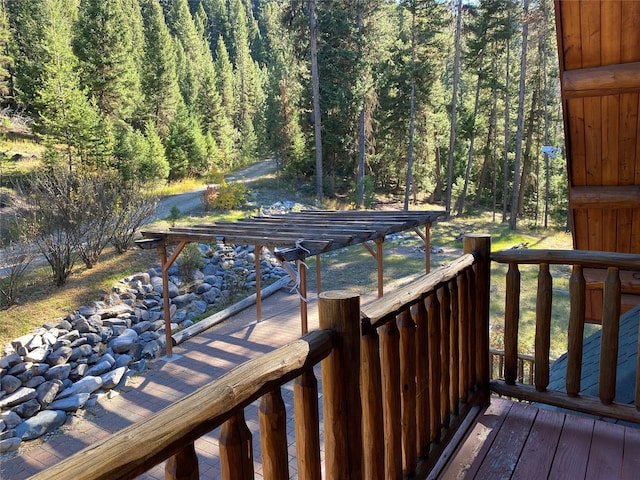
(293, 237)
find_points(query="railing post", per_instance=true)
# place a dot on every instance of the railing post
(372, 421)
(543, 328)
(273, 435)
(340, 311)
(307, 425)
(610, 331)
(419, 314)
(511, 320)
(577, 296)
(391, 399)
(183, 465)
(236, 450)
(408, 391)
(481, 244)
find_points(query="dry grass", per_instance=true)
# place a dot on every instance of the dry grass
(41, 302)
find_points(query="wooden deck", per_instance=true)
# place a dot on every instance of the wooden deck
(511, 440)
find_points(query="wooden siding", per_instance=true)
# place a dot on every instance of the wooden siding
(598, 44)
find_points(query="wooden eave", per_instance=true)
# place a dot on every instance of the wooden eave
(297, 235)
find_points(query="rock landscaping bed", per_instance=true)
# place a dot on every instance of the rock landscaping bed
(71, 363)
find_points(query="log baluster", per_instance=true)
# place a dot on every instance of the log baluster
(433, 310)
(407, 331)
(610, 330)
(390, 340)
(455, 348)
(474, 354)
(236, 450)
(372, 422)
(342, 406)
(307, 421)
(543, 328)
(577, 296)
(511, 317)
(445, 359)
(463, 309)
(272, 417)
(419, 315)
(183, 465)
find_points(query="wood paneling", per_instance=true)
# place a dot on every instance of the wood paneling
(598, 46)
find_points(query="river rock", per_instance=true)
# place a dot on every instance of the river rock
(10, 384)
(112, 378)
(59, 356)
(124, 342)
(23, 394)
(10, 444)
(27, 409)
(45, 421)
(85, 385)
(60, 372)
(47, 392)
(70, 404)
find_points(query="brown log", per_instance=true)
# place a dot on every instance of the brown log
(511, 320)
(372, 422)
(609, 342)
(481, 246)
(585, 258)
(342, 407)
(609, 197)
(543, 328)
(387, 307)
(602, 80)
(307, 423)
(456, 342)
(390, 340)
(273, 435)
(464, 384)
(419, 315)
(183, 465)
(474, 354)
(445, 359)
(577, 295)
(583, 403)
(407, 330)
(168, 431)
(433, 311)
(236, 450)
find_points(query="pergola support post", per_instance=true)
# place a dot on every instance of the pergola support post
(166, 265)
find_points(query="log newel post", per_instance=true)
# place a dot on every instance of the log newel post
(236, 450)
(610, 331)
(454, 348)
(339, 311)
(481, 244)
(257, 252)
(273, 435)
(445, 354)
(577, 296)
(372, 422)
(543, 329)
(305, 402)
(183, 465)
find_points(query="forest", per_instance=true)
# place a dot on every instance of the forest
(445, 101)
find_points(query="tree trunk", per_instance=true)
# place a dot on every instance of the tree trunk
(315, 84)
(361, 132)
(526, 158)
(436, 196)
(473, 137)
(520, 122)
(412, 114)
(505, 172)
(454, 96)
(488, 156)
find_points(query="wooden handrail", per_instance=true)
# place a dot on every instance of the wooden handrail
(143, 445)
(613, 263)
(399, 377)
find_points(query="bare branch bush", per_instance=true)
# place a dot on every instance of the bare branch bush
(133, 209)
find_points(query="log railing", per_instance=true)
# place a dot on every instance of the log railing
(398, 378)
(526, 366)
(613, 263)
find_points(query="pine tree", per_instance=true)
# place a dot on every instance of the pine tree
(159, 77)
(6, 80)
(67, 118)
(104, 45)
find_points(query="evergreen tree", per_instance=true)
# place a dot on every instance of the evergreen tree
(105, 47)
(186, 147)
(67, 118)
(6, 80)
(159, 77)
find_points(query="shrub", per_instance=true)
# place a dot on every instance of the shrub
(190, 259)
(224, 197)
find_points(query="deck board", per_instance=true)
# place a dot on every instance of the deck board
(511, 440)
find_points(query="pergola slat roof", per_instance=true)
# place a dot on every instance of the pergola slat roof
(298, 235)
(292, 236)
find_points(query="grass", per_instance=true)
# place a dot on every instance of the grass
(352, 269)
